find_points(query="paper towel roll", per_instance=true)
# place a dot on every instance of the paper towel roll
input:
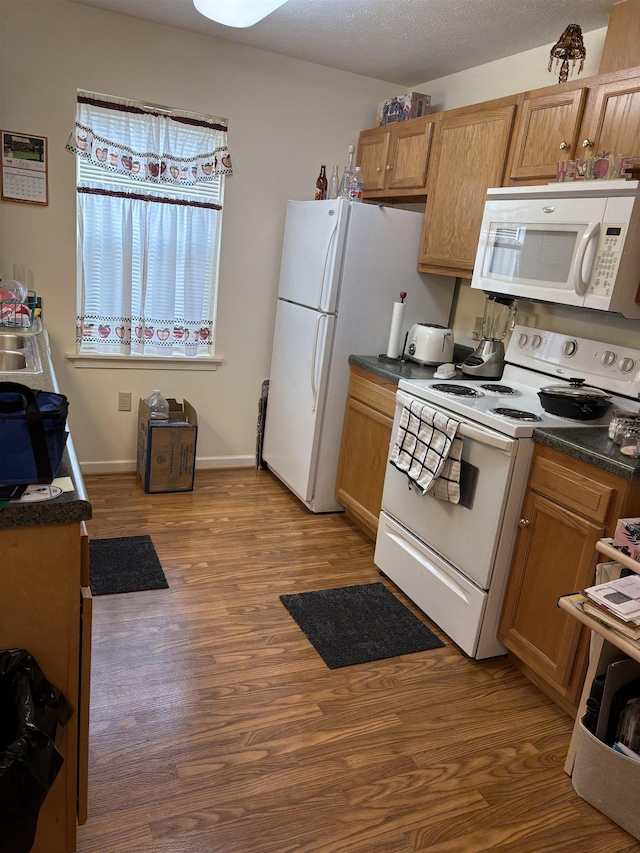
(393, 347)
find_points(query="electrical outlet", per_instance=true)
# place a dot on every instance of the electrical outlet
(124, 401)
(477, 329)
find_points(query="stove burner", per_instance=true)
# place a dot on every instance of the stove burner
(516, 414)
(457, 390)
(504, 390)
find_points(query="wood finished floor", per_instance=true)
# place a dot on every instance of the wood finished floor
(216, 727)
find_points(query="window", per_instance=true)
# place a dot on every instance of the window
(150, 185)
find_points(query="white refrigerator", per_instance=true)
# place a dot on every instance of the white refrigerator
(343, 267)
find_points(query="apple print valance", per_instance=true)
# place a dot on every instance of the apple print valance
(150, 143)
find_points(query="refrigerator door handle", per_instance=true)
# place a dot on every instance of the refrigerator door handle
(314, 360)
(326, 261)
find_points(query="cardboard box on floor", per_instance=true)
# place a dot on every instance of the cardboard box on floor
(166, 457)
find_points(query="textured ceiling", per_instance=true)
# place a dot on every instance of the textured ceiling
(400, 41)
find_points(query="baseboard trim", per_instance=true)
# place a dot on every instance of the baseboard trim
(128, 466)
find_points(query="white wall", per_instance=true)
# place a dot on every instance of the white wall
(508, 76)
(286, 117)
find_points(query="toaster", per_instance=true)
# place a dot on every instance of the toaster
(429, 343)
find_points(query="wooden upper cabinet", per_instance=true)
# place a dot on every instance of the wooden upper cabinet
(394, 158)
(469, 155)
(547, 130)
(372, 157)
(612, 118)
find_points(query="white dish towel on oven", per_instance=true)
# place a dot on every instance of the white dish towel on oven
(428, 451)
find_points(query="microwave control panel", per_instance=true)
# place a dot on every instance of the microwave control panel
(607, 260)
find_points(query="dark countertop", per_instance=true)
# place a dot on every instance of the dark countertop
(592, 445)
(394, 369)
(70, 506)
(589, 444)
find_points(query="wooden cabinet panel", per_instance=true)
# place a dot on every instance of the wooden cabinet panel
(543, 637)
(366, 434)
(40, 611)
(394, 159)
(568, 507)
(409, 155)
(372, 157)
(547, 130)
(612, 121)
(577, 492)
(469, 156)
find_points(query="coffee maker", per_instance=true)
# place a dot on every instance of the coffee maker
(487, 360)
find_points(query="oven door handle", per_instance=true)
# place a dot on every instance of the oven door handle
(470, 431)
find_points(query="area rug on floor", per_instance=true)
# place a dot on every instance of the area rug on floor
(356, 624)
(124, 564)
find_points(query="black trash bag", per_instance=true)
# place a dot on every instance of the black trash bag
(32, 711)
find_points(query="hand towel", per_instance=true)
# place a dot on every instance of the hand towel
(428, 451)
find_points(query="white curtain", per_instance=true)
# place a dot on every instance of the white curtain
(147, 252)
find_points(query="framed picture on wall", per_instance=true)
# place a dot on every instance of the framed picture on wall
(24, 168)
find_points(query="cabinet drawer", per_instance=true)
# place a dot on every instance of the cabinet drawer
(580, 493)
(378, 393)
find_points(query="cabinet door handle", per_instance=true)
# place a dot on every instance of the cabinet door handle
(389, 168)
(524, 522)
(587, 143)
(379, 169)
(563, 145)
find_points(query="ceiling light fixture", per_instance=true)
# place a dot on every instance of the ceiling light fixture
(237, 13)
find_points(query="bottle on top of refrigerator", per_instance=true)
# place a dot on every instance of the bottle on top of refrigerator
(158, 406)
(356, 187)
(347, 175)
(321, 184)
(334, 183)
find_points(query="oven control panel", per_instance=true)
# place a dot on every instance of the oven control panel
(608, 366)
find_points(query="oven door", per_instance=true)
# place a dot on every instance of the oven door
(466, 534)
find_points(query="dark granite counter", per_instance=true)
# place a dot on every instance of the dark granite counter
(589, 444)
(394, 369)
(592, 445)
(70, 506)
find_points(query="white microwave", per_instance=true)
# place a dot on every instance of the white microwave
(573, 243)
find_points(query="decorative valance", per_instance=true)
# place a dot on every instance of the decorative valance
(149, 143)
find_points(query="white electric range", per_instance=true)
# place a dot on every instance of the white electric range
(452, 560)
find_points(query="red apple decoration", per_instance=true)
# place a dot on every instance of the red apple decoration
(163, 334)
(148, 332)
(120, 332)
(104, 331)
(127, 162)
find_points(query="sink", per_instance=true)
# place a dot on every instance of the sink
(11, 360)
(19, 353)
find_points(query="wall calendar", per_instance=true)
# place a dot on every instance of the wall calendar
(24, 168)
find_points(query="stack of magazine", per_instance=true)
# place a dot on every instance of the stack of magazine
(617, 604)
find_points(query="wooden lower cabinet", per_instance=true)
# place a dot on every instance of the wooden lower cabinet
(45, 607)
(568, 507)
(366, 434)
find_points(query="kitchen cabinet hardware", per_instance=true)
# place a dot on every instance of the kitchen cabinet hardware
(564, 145)
(587, 143)
(524, 522)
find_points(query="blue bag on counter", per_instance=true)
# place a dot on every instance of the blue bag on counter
(32, 433)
